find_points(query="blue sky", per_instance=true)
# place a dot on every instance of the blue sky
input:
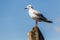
(15, 22)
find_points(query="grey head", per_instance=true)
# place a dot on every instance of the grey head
(29, 7)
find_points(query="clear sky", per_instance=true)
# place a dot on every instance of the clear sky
(15, 21)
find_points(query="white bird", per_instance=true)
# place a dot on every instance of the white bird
(36, 15)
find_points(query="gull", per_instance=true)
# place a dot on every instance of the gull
(36, 15)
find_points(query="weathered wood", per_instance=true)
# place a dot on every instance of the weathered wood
(35, 34)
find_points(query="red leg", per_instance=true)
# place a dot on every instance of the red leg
(36, 23)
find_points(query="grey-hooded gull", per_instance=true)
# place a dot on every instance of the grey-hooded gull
(36, 15)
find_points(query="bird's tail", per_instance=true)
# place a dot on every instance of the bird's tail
(49, 21)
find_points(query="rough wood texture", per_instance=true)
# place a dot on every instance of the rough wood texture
(35, 34)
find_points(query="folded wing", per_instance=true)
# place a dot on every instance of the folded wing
(41, 17)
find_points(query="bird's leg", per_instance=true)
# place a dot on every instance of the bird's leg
(36, 23)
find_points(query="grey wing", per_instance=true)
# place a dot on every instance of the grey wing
(41, 16)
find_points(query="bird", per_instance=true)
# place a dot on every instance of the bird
(36, 15)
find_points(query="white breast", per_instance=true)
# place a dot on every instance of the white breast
(32, 15)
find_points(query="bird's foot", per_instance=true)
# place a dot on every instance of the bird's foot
(35, 26)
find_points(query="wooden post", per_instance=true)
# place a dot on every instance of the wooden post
(35, 34)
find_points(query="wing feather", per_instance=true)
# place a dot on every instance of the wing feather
(41, 17)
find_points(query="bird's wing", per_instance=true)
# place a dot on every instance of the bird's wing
(40, 15)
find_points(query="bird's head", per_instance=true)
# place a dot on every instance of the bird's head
(29, 7)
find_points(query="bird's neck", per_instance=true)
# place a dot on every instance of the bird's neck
(30, 9)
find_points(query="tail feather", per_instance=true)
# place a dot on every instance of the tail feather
(49, 21)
